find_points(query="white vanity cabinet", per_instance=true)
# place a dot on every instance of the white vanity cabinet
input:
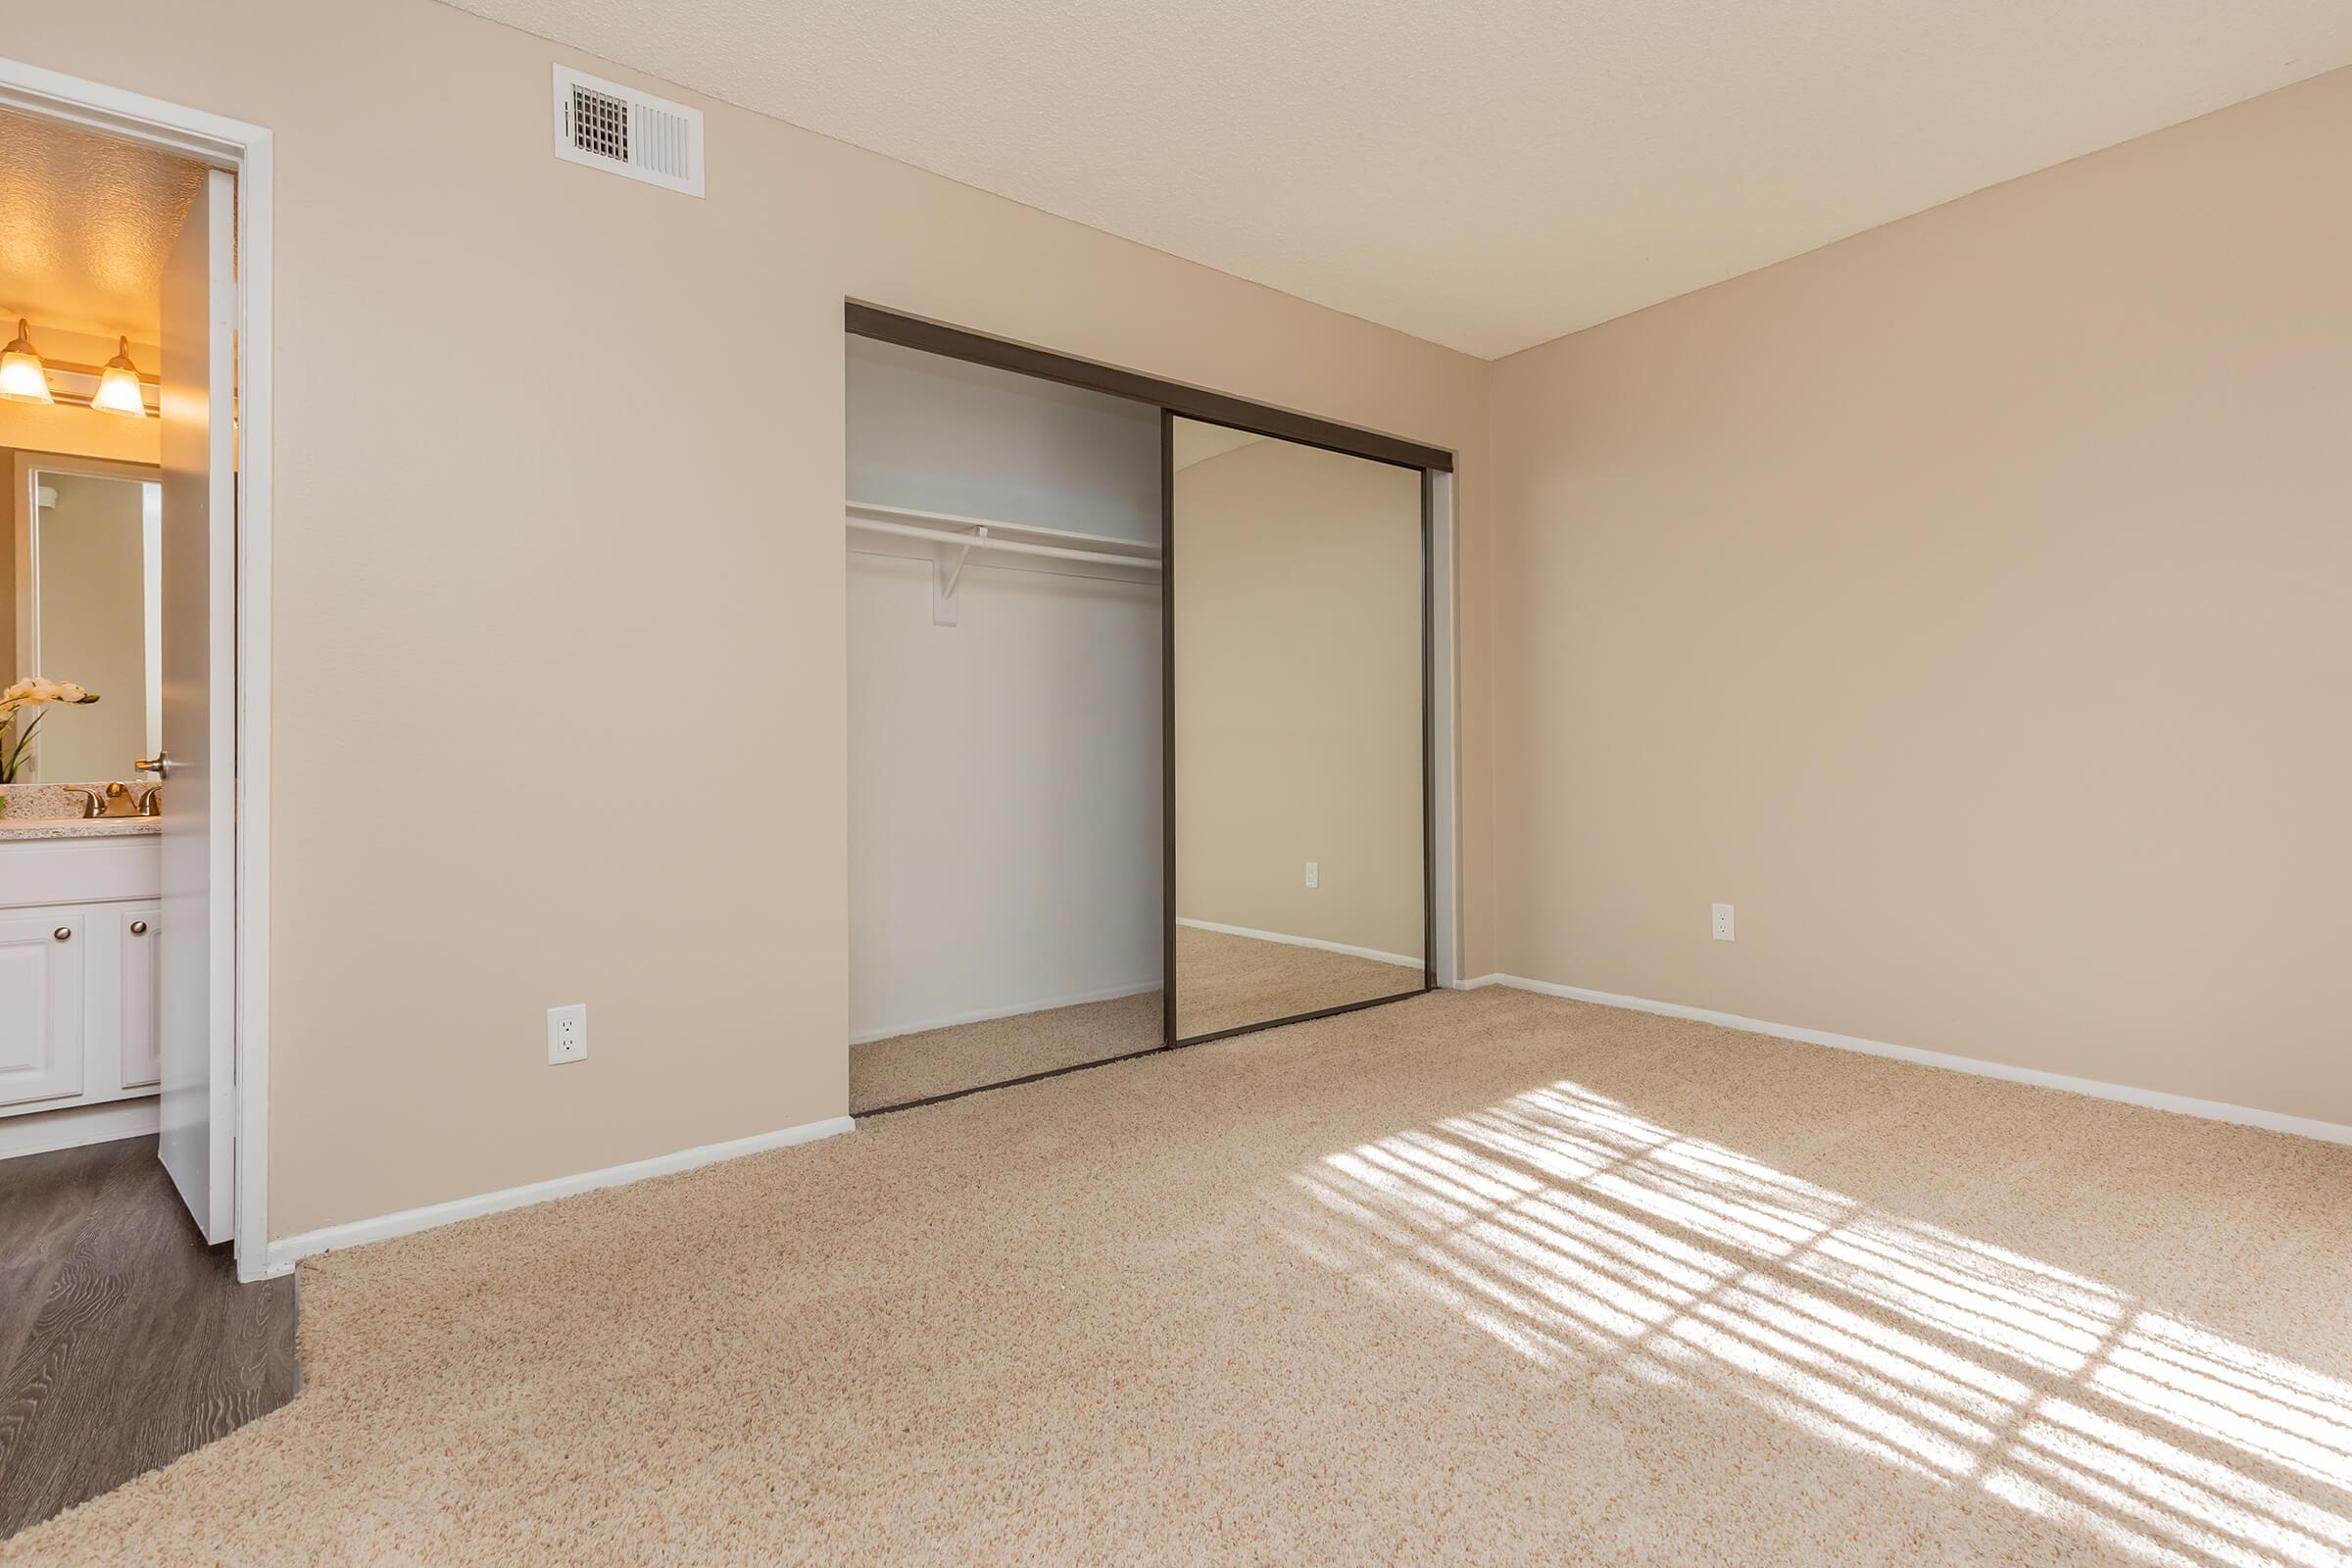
(78, 972)
(44, 1029)
(142, 1051)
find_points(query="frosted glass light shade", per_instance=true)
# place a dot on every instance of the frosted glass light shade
(23, 376)
(119, 386)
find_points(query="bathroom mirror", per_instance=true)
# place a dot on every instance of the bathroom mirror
(1299, 667)
(86, 601)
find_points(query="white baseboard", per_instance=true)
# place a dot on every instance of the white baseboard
(72, 1126)
(868, 1037)
(2154, 1099)
(286, 1250)
(1374, 954)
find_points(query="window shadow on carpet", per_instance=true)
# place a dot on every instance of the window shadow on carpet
(1585, 1237)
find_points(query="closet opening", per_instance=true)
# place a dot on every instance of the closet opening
(1142, 692)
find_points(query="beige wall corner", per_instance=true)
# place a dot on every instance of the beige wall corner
(1964, 603)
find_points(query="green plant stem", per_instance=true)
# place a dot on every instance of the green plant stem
(12, 758)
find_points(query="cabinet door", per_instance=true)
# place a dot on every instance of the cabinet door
(141, 1063)
(40, 1004)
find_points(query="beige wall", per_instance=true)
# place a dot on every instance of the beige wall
(1966, 603)
(619, 533)
(93, 617)
(1299, 695)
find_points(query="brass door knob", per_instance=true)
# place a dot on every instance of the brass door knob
(138, 928)
(63, 933)
(160, 765)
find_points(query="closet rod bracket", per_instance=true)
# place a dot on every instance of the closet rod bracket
(944, 577)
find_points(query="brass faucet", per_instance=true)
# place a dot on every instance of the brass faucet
(119, 800)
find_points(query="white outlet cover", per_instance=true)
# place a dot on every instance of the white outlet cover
(1314, 873)
(567, 1033)
(1723, 922)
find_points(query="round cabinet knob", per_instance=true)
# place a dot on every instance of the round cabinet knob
(63, 933)
(138, 928)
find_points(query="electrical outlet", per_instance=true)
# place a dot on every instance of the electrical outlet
(567, 1033)
(1314, 874)
(1723, 922)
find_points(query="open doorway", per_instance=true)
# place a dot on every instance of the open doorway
(132, 762)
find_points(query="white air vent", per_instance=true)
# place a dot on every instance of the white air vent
(623, 131)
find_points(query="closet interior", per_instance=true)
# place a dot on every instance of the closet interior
(1139, 715)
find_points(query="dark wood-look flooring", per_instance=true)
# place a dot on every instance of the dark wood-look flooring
(126, 1341)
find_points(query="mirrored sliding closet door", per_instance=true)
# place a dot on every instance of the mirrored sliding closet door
(1298, 667)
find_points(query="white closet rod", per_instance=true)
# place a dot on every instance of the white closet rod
(1019, 547)
(1000, 528)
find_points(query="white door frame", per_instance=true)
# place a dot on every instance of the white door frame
(245, 151)
(1445, 765)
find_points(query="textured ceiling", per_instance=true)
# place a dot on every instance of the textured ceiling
(87, 223)
(1487, 174)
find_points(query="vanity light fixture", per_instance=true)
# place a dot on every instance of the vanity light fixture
(119, 385)
(23, 379)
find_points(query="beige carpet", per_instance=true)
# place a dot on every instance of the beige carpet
(1222, 982)
(1226, 982)
(1481, 1278)
(969, 1056)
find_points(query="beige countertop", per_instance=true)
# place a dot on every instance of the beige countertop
(13, 827)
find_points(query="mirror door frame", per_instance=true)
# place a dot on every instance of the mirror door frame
(1333, 441)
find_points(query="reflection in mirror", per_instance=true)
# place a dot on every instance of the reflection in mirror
(86, 603)
(1300, 854)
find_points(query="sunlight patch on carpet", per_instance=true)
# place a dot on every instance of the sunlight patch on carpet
(1586, 1238)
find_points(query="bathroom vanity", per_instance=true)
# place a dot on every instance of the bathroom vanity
(78, 912)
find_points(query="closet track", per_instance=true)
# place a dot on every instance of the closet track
(1216, 408)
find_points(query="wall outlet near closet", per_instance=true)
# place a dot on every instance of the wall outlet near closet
(1723, 922)
(567, 1033)
(1314, 874)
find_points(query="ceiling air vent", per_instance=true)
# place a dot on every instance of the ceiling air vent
(623, 131)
